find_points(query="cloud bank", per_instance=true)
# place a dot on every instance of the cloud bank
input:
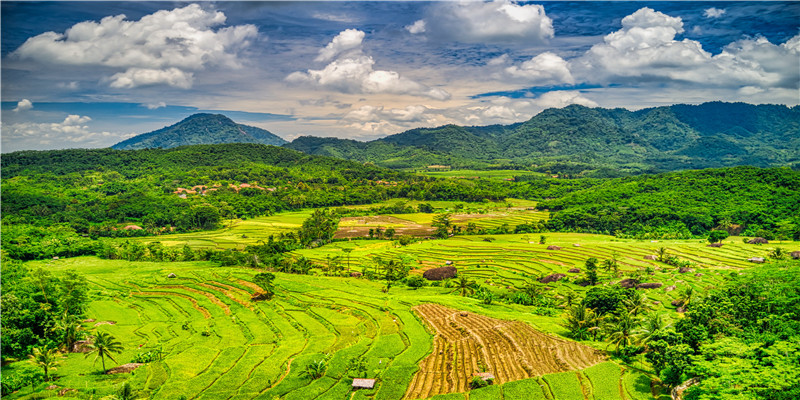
(162, 48)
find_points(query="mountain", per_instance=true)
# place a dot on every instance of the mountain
(663, 138)
(200, 129)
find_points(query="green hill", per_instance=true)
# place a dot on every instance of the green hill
(200, 129)
(655, 139)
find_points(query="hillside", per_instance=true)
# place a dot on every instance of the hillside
(200, 129)
(655, 139)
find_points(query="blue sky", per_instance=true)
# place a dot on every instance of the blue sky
(78, 74)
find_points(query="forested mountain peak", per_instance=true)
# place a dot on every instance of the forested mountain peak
(664, 138)
(201, 128)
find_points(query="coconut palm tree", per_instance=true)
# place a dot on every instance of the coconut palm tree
(104, 344)
(45, 358)
(651, 324)
(686, 296)
(464, 286)
(662, 254)
(636, 303)
(621, 330)
(69, 329)
(582, 322)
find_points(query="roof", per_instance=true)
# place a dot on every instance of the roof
(485, 375)
(363, 383)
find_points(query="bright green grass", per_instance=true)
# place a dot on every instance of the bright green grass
(565, 386)
(605, 380)
(524, 389)
(490, 392)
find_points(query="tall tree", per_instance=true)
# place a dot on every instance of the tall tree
(47, 359)
(104, 345)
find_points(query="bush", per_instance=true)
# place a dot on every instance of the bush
(414, 281)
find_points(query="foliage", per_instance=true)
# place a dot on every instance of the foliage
(682, 204)
(315, 369)
(47, 359)
(40, 309)
(717, 236)
(477, 382)
(104, 345)
(737, 339)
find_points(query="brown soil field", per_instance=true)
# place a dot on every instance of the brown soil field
(360, 226)
(467, 343)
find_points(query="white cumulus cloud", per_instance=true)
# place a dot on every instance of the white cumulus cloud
(352, 71)
(417, 27)
(347, 40)
(544, 69)
(159, 49)
(645, 50)
(479, 22)
(713, 12)
(23, 105)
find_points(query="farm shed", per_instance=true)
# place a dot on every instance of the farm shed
(438, 274)
(359, 383)
(758, 240)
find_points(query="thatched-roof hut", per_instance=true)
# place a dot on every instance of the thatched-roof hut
(359, 383)
(553, 247)
(758, 240)
(355, 274)
(124, 368)
(795, 255)
(684, 270)
(757, 260)
(574, 270)
(438, 274)
(552, 278)
(651, 258)
(172, 275)
(715, 245)
(132, 228)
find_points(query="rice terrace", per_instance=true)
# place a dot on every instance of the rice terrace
(400, 200)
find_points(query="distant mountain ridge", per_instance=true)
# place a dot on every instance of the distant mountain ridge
(662, 138)
(200, 129)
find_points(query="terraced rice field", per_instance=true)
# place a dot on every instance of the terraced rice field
(217, 344)
(468, 343)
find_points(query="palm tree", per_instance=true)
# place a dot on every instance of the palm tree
(104, 344)
(464, 285)
(611, 264)
(69, 329)
(662, 254)
(621, 330)
(581, 322)
(652, 323)
(686, 296)
(47, 359)
(636, 303)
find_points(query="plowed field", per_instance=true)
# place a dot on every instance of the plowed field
(467, 343)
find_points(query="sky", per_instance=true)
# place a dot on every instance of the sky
(88, 75)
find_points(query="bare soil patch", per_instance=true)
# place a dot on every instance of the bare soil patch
(467, 343)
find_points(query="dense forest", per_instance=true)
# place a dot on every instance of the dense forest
(669, 138)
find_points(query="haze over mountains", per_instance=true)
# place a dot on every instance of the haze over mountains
(663, 138)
